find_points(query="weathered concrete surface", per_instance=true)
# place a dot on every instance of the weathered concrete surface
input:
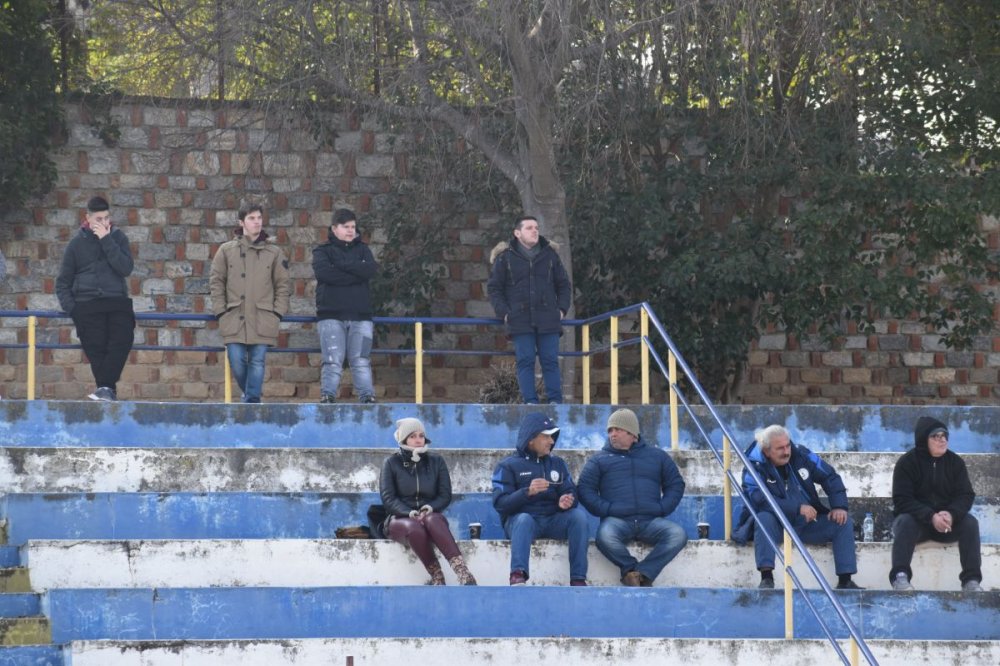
(75, 469)
(529, 611)
(502, 651)
(35, 655)
(24, 631)
(334, 562)
(824, 428)
(237, 515)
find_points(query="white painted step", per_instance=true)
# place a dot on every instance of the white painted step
(348, 562)
(493, 652)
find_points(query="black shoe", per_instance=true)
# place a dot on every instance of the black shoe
(849, 585)
(327, 399)
(766, 584)
(104, 394)
(367, 400)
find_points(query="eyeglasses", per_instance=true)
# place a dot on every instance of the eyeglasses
(940, 435)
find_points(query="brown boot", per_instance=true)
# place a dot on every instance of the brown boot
(465, 576)
(632, 579)
(437, 576)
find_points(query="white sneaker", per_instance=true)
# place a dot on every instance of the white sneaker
(972, 586)
(901, 583)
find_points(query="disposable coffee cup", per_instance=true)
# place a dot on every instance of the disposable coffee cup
(702, 530)
(475, 530)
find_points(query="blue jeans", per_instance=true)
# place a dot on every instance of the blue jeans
(820, 531)
(546, 345)
(353, 340)
(523, 528)
(665, 536)
(247, 363)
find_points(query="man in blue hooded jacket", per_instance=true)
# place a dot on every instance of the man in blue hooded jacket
(790, 474)
(632, 487)
(536, 498)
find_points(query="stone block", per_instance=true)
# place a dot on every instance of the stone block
(154, 286)
(155, 252)
(815, 375)
(201, 118)
(814, 343)
(856, 376)
(168, 199)
(793, 359)
(774, 375)
(285, 185)
(177, 269)
(150, 162)
(103, 161)
(917, 359)
(841, 359)
(375, 166)
(201, 163)
(197, 251)
(220, 139)
(348, 142)
(932, 343)
(963, 359)
(152, 115)
(937, 375)
(893, 343)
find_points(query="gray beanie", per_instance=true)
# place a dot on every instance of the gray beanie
(408, 426)
(624, 419)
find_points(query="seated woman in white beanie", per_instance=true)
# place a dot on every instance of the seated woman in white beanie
(415, 488)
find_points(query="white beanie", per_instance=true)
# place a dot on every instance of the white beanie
(408, 426)
(624, 419)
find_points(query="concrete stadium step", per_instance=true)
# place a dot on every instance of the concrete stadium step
(185, 425)
(332, 612)
(19, 604)
(493, 651)
(14, 580)
(92, 469)
(33, 655)
(10, 556)
(362, 562)
(25, 631)
(315, 515)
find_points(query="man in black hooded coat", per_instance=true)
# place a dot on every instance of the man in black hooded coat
(931, 497)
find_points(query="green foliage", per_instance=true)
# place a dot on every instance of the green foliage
(817, 183)
(30, 112)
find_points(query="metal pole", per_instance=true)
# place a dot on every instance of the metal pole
(32, 322)
(614, 360)
(418, 369)
(227, 391)
(727, 487)
(585, 344)
(675, 429)
(644, 354)
(789, 616)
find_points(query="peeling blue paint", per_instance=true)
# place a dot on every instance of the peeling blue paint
(136, 424)
(271, 613)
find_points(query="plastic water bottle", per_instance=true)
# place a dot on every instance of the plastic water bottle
(868, 528)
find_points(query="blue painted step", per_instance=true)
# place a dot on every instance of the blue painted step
(256, 613)
(142, 424)
(19, 605)
(277, 515)
(10, 556)
(31, 655)
(253, 515)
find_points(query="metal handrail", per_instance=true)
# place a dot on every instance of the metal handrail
(791, 538)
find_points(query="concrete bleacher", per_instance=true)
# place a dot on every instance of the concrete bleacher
(150, 530)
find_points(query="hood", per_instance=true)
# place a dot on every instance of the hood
(330, 238)
(502, 246)
(238, 232)
(925, 426)
(639, 444)
(531, 425)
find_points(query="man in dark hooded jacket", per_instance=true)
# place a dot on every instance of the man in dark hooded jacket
(790, 474)
(536, 498)
(344, 267)
(931, 498)
(530, 290)
(632, 487)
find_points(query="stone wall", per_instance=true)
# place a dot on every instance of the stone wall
(177, 173)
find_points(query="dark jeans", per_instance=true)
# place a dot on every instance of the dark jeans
(546, 346)
(106, 338)
(423, 535)
(907, 533)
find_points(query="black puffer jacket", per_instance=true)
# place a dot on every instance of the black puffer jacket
(923, 485)
(406, 485)
(94, 268)
(343, 272)
(531, 293)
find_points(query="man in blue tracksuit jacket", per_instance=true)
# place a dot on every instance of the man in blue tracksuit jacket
(536, 498)
(632, 487)
(791, 473)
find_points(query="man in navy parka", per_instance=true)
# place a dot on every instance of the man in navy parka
(536, 498)
(632, 487)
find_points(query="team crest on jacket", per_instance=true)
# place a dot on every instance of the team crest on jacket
(804, 473)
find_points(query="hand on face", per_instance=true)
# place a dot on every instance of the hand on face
(100, 223)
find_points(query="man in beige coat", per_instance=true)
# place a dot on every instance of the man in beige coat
(250, 290)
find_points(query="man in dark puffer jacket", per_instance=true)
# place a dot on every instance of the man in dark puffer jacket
(931, 497)
(632, 487)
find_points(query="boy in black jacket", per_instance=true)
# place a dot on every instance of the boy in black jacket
(931, 497)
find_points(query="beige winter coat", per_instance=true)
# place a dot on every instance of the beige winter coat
(250, 290)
